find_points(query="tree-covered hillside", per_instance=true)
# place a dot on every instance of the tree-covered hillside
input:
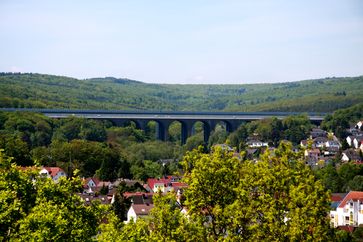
(47, 91)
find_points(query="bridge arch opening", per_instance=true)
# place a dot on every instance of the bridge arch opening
(151, 130)
(219, 132)
(197, 136)
(175, 131)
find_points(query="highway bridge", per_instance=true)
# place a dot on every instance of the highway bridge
(232, 120)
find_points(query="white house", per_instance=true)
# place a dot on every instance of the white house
(349, 140)
(332, 144)
(257, 143)
(138, 211)
(360, 124)
(319, 142)
(53, 172)
(357, 141)
(349, 211)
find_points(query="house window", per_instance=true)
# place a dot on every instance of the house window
(346, 218)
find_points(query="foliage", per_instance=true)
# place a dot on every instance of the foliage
(43, 91)
(34, 208)
(340, 120)
(121, 205)
(330, 178)
(147, 170)
(277, 198)
(272, 130)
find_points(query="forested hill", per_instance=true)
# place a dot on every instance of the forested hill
(49, 91)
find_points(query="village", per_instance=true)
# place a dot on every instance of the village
(320, 149)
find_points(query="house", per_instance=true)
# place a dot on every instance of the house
(350, 155)
(360, 124)
(133, 184)
(349, 140)
(354, 131)
(256, 144)
(53, 172)
(319, 142)
(332, 144)
(312, 153)
(165, 184)
(312, 157)
(137, 211)
(330, 151)
(224, 147)
(88, 199)
(357, 141)
(354, 140)
(139, 197)
(336, 199)
(314, 133)
(304, 143)
(349, 211)
(93, 185)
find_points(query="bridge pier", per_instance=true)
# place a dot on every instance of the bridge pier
(163, 129)
(186, 130)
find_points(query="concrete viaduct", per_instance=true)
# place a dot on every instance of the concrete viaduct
(232, 120)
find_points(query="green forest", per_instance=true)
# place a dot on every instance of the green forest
(48, 91)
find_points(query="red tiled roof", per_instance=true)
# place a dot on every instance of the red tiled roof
(53, 171)
(178, 184)
(353, 195)
(130, 194)
(151, 181)
(346, 228)
(95, 180)
(336, 198)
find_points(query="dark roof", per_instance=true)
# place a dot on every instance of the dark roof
(89, 198)
(320, 139)
(347, 228)
(139, 197)
(142, 209)
(352, 154)
(337, 197)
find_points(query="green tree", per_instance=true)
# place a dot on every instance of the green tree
(276, 198)
(147, 170)
(296, 128)
(121, 205)
(330, 178)
(167, 223)
(34, 208)
(212, 180)
(356, 184)
(236, 138)
(347, 172)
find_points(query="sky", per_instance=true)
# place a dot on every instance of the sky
(187, 42)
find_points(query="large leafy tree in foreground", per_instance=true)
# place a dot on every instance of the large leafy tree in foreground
(274, 199)
(34, 208)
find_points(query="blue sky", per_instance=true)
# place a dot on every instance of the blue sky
(196, 41)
